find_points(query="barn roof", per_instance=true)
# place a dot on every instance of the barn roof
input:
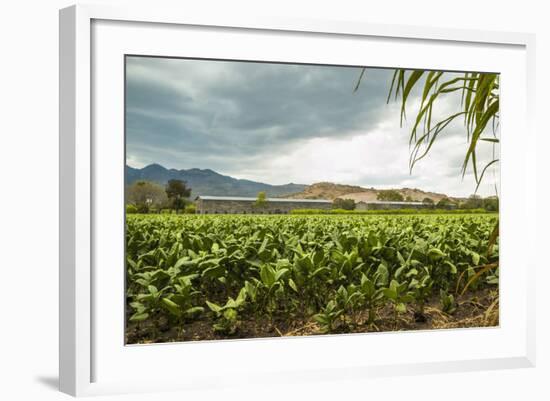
(248, 199)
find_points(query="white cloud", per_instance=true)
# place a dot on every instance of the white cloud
(287, 123)
(379, 158)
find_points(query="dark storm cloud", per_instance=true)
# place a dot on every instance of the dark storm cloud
(280, 123)
(199, 110)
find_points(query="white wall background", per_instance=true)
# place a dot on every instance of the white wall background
(29, 196)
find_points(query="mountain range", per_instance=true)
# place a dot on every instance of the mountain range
(209, 182)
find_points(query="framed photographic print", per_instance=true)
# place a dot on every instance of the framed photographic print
(290, 199)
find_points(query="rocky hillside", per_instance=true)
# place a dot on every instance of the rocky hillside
(327, 190)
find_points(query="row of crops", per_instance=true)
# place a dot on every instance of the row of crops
(226, 270)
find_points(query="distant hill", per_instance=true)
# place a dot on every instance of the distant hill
(328, 190)
(209, 182)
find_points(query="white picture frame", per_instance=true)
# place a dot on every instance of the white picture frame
(88, 356)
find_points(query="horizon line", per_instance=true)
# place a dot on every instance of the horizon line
(306, 185)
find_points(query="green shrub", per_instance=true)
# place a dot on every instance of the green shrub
(346, 204)
(131, 209)
(142, 208)
(190, 209)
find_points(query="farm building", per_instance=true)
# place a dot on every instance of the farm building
(381, 205)
(233, 204)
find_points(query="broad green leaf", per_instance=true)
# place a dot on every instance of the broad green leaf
(194, 310)
(139, 317)
(172, 307)
(214, 307)
(401, 308)
(292, 285)
(475, 258)
(435, 253)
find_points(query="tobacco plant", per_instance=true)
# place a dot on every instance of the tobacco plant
(287, 269)
(227, 315)
(327, 316)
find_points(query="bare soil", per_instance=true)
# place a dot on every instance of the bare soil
(475, 309)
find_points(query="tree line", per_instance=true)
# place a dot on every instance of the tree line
(150, 197)
(490, 204)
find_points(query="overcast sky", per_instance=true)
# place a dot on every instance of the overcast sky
(282, 123)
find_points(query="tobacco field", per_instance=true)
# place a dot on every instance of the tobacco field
(206, 277)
